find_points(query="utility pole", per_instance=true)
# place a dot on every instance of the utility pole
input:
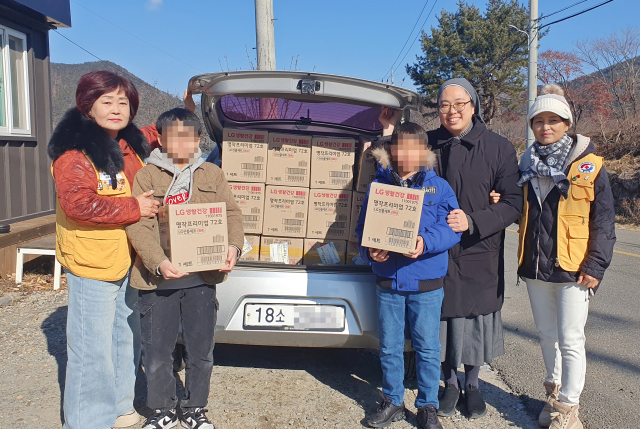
(265, 38)
(533, 63)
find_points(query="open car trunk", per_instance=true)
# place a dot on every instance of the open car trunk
(311, 104)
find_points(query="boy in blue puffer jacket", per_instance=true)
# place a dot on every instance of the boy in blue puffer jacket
(410, 287)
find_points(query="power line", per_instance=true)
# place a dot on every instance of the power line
(575, 14)
(562, 10)
(407, 41)
(425, 21)
(142, 40)
(57, 32)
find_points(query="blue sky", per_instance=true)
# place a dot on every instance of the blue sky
(351, 38)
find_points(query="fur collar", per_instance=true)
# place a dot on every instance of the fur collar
(382, 154)
(75, 132)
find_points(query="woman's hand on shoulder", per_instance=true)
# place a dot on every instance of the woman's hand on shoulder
(389, 118)
(148, 207)
(587, 281)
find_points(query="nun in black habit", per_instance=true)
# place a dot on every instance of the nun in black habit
(475, 161)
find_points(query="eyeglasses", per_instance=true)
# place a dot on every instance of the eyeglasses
(459, 106)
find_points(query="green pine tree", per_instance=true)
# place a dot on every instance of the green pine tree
(479, 47)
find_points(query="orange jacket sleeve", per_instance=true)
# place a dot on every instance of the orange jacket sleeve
(77, 184)
(151, 134)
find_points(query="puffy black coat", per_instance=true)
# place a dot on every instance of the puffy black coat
(540, 244)
(474, 166)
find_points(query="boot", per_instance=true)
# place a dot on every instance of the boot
(544, 420)
(564, 416)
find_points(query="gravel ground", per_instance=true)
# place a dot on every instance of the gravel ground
(251, 387)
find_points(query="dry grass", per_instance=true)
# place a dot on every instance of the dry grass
(31, 282)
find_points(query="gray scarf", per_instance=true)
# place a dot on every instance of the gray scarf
(549, 161)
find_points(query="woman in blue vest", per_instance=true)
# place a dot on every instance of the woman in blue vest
(567, 233)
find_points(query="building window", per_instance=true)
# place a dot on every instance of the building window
(14, 83)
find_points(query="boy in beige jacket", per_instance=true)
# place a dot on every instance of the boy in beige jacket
(168, 298)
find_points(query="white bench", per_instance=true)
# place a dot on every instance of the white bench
(43, 246)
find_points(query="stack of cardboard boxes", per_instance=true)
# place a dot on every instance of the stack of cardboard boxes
(299, 198)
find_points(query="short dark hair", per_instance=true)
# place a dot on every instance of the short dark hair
(178, 114)
(94, 85)
(409, 128)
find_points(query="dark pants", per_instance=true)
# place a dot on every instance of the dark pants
(162, 313)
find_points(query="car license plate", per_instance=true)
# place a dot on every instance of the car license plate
(294, 317)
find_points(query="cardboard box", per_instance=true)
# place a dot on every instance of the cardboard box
(326, 255)
(250, 199)
(356, 208)
(244, 155)
(285, 211)
(194, 236)
(294, 248)
(254, 253)
(353, 255)
(329, 212)
(366, 167)
(332, 162)
(289, 159)
(393, 218)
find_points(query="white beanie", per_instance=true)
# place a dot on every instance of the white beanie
(551, 100)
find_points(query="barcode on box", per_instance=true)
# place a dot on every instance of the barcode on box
(293, 229)
(252, 226)
(342, 217)
(250, 218)
(254, 174)
(340, 174)
(302, 164)
(292, 222)
(339, 181)
(248, 166)
(346, 166)
(209, 260)
(300, 215)
(336, 224)
(399, 242)
(218, 238)
(207, 250)
(336, 231)
(395, 232)
(295, 179)
(255, 210)
(289, 170)
(258, 159)
(409, 224)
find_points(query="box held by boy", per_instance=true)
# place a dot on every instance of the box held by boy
(329, 212)
(332, 162)
(392, 219)
(284, 250)
(356, 207)
(366, 167)
(251, 249)
(288, 160)
(194, 236)
(250, 198)
(285, 211)
(324, 252)
(244, 155)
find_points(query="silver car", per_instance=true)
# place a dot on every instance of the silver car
(296, 305)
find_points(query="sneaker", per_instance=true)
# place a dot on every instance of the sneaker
(475, 404)
(386, 414)
(449, 400)
(544, 419)
(564, 416)
(428, 418)
(195, 418)
(161, 420)
(128, 419)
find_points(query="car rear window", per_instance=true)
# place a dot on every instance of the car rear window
(251, 109)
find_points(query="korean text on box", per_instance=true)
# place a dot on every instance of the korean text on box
(332, 163)
(392, 219)
(288, 161)
(250, 198)
(244, 155)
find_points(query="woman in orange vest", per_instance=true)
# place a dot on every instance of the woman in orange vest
(567, 233)
(96, 152)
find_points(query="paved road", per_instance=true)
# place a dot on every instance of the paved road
(612, 391)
